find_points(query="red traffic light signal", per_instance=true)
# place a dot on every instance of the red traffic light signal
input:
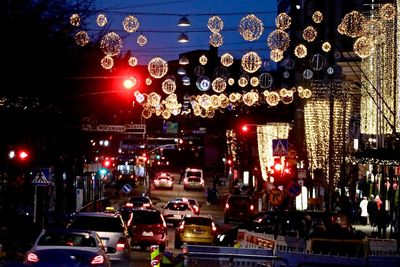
(106, 163)
(245, 128)
(23, 154)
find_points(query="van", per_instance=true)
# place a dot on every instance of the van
(193, 179)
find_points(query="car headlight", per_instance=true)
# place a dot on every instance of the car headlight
(221, 237)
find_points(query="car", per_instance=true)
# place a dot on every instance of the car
(193, 202)
(174, 211)
(139, 202)
(195, 229)
(147, 227)
(64, 247)
(193, 182)
(238, 208)
(163, 180)
(112, 231)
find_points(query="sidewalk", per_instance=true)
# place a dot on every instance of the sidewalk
(368, 229)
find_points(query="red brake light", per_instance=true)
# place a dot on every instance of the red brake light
(97, 260)
(226, 206)
(251, 207)
(129, 205)
(32, 258)
(182, 226)
(121, 244)
(196, 209)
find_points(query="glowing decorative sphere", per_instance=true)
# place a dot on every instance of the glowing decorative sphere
(215, 101)
(215, 24)
(283, 21)
(243, 81)
(198, 71)
(317, 17)
(149, 81)
(203, 60)
(219, 85)
(266, 80)
(210, 113)
(326, 47)
(300, 51)
(231, 81)
(374, 29)
(107, 62)
(352, 24)
(251, 62)
(82, 38)
(216, 39)
(287, 99)
(272, 98)
(75, 20)
(132, 61)
(283, 92)
(278, 39)
(101, 20)
(309, 34)
(387, 12)
(146, 113)
(226, 59)
(254, 81)
(307, 93)
(224, 101)
(251, 27)
(111, 44)
(203, 83)
(154, 99)
(168, 86)
(141, 40)
(130, 24)
(157, 67)
(166, 114)
(233, 97)
(363, 47)
(276, 55)
(205, 101)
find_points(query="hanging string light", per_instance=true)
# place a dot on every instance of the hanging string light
(363, 47)
(278, 39)
(219, 85)
(283, 21)
(203, 60)
(317, 17)
(132, 61)
(141, 40)
(216, 39)
(226, 59)
(130, 24)
(82, 38)
(101, 20)
(75, 20)
(326, 47)
(215, 24)
(374, 29)
(387, 12)
(254, 81)
(300, 51)
(243, 80)
(157, 67)
(276, 55)
(111, 44)
(272, 98)
(107, 62)
(231, 81)
(352, 24)
(309, 34)
(215, 101)
(251, 62)
(251, 27)
(168, 86)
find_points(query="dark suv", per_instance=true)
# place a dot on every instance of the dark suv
(238, 208)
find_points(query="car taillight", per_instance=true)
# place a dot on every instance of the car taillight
(97, 260)
(129, 205)
(251, 207)
(182, 226)
(196, 209)
(214, 228)
(32, 258)
(202, 181)
(146, 205)
(121, 244)
(226, 206)
(185, 181)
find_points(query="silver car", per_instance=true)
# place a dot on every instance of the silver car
(112, 231)
(64, 247)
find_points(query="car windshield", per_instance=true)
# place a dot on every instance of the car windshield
(139, 199)
(194, 179)
(101, 224)
(177, 206)
(239, 201)
(66, 239)
(144, 217)
(193, 173)
(197, 221)
(164, 178)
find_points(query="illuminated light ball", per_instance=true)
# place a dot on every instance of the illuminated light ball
(288, 99)
(82, 38)
(157, 67)
(205, 101)
(231, 81)
(215, 24)
(203, 83)
(352, 24)
(215, 101)
(168, 86)
(154, 99)
(272, 98)
(166, 114)
(111, 44)
(293, 89)
(276, 55)
(254, 81)
(141, 40)
(278, 39)
(265, 93)
(251, 62)
(248, 99)
(300, 88)
(283, 21)
(132, 61)
(148, 81)
(216, 39)
(159, 109)
(309, 34)
(139, 98)
(326, 47)
(224, 102)
(219, 85)
(283, 92)
(300, 51)
(226, 60)
(307, 93)
(107, 62)
(387, 12)
(75, 20)
(101, 20)
(363, 47)
(251, 27)
(130, 82)
(197, 112)
(243, 81)
(203, 60)
(130, 24)
(203, 113)
(266, 80)
(317, 17)
(210, 113)
(374, 29)
(186, 80)
(146, 113)
(232, 97)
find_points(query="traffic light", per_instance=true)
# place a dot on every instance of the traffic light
(245, 128)
(106, 163)
(281, 172)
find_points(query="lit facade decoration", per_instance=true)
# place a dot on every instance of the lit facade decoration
(82, 38)
(215, 24)
(101, 20)
(231, 142)
(111, 44)
(387, 12)
(130, 24)
(283, 21)
(157, 67)
(363, 47)
(380, 94)
(251, 27)
(265, 135)
(352, 24)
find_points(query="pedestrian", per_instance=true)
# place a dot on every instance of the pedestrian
(372, 209)
(182, 176)
(364, 211)
(382, 220)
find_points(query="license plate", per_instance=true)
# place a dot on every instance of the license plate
(147, 233)
(197, 232)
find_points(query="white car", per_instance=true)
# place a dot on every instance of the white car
(174, 211)
(64, 247)
(163, 180)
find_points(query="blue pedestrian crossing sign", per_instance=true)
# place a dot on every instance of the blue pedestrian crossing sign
(279, 147)
(41, 179)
